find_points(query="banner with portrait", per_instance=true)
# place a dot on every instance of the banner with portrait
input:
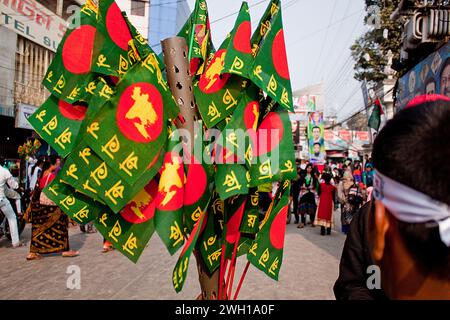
(432, 75)
(316, 138)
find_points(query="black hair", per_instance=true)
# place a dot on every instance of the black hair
(317, 128)
(327, 178)
(318, 144)
(2, 161)
(51, 161)
(400, 150)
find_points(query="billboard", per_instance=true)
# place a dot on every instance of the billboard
(33, 21)
(432, 75)
(23, 111)
(305, 103)
(316, 138)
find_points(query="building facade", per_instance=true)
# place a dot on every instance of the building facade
(30, 32)
(166, 19)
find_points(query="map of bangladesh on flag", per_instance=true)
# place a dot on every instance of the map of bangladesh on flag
(131, 128)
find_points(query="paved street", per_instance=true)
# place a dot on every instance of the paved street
(309, 269)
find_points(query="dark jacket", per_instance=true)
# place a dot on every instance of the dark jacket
(351, 283)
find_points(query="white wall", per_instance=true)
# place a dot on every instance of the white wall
(140, 22)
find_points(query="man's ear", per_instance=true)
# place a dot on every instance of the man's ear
(381, 226)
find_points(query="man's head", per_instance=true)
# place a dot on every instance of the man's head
(430, 86)
(445, 78)
(409, 250)
(316, 132)
(316, 149)
(316, 117)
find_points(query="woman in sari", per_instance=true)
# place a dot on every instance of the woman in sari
(49, 232)
(308, 193)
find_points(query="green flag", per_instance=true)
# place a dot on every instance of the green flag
(266, 252)
(130, 231)
(76, 206)
(273, 149)
(113, 54)
(250, 220)
(233, 214)
(238, 59)
(70, 70)
(199, 179)
(59, 123)
(169, 200)
(180, 271)
(219, 89)
(87, 173)
(209, 243)
(270, 67)
(375, 117)
(197, 33)
(216, 93)
(131, 128)
(233, 151)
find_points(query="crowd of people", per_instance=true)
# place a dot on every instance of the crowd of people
(316, 194)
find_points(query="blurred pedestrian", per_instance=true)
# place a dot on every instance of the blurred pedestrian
(7, 180)
(36, 173)
(49, 232)
(351, 198)
(308, 190)
(325, 213)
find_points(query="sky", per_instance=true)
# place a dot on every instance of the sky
(318, 36)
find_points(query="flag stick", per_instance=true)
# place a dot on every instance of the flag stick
(233, 266)
(221, 272)
(244, 273)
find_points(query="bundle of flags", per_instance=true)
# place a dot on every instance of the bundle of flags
(111, 116)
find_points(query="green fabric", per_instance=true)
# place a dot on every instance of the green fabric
(68, 77)
(375, 117)
(270, 71)
(263, 254)
(169, 213)
(122, 134)
(197, 32)
(78, 207)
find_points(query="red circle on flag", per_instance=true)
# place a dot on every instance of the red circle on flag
(117, 27)
(269, 134)
(195, 183)
(142, 207)
(241, 40)
(77, 50)
(279, 56)
(251, 115)
(171, 183)
(140, 112)
(278, 228)
(72, 112)
(211, 80)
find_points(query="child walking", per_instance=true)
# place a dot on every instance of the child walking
(325, 213)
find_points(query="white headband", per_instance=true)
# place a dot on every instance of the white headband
(411, 206)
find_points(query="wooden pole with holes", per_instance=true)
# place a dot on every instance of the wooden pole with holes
(176, 53)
